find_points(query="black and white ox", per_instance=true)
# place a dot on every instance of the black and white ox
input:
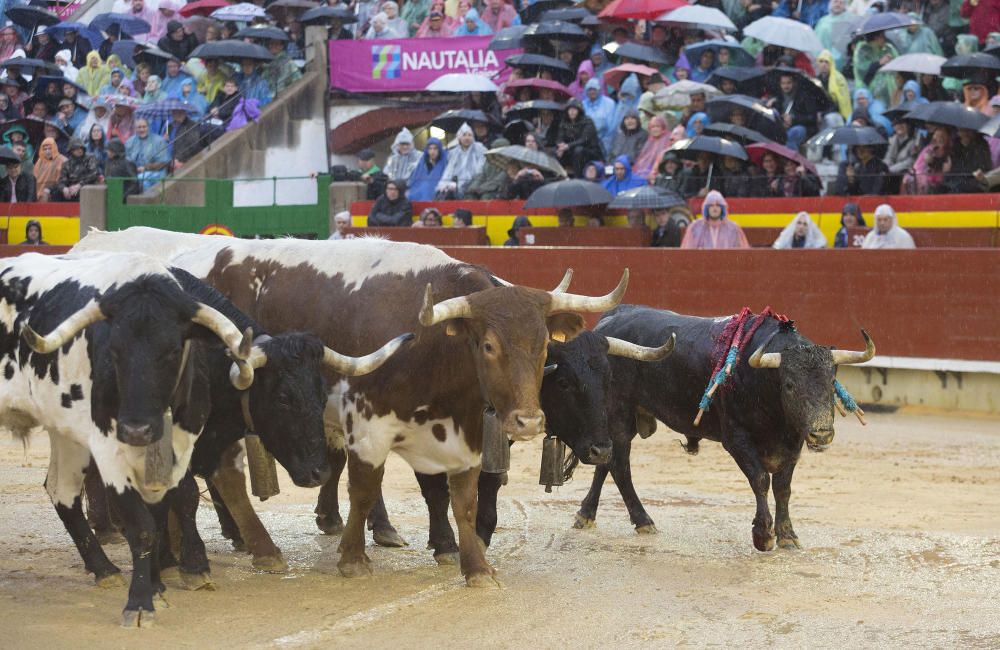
(477, 345)
(777, 399)
(141, 366)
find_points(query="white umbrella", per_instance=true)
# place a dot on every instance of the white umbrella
(462, 82)
(785, 33)
(698, 17)
(918, 63)
(243, 12)
(679, 94)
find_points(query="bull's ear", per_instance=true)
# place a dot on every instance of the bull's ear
(565, 326)
(455, 327)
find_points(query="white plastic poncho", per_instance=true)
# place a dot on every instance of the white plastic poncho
(895, 237)
(400, 167)
(463, 164)
(814, 237)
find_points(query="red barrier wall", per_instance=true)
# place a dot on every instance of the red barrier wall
(13, 250)
(931, 303)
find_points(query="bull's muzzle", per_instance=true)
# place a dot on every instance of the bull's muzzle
(598, 454)
(314, 477)
(525, 425)
(819, 440)
(136, 434)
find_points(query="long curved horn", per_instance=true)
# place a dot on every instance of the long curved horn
(431, 314)
(86, 315)
(564, 283)
(573, 302)
(239, 344)
(354, 366)
(620, 348)
(241, 372)
(843, 357)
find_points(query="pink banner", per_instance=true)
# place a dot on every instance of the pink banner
(409, 64)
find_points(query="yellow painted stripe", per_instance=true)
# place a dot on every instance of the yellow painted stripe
(62, 231)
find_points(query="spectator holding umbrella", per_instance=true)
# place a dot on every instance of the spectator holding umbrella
(850, 217)
(733, 178)
(210, 82)
(797, 111)
(424, 181)
(887, 233)
(280, 72)
(43, 46)
(7, 110)
(78, 46)
(714, 230)
(802, 232)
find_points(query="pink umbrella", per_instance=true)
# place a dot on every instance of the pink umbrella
(640, 9)
(757, 151)
(537, 84)
(202, 7)
(615, 75)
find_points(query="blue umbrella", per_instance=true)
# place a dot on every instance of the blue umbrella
(44, 80)
(737, 55)
(127, 24)
(59, 32)
(884, 22)
(163, 109)
(126, 52)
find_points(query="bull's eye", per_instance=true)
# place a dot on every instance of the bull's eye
(488, 347)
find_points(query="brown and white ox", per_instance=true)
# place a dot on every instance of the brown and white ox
(477, 345)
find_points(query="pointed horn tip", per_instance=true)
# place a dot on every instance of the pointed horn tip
(427, 310)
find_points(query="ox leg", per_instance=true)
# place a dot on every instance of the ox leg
(486, 512)
(328, 505)
(760, 482)
(472, 556)
(68, 462)
(383, 532)
(99, 514)
(231, 486)
(621, 472)
(782, 486)
(194, 570)
(140, 532)
(586, 517)
(363, 486)
(434, 488)
(230, 530)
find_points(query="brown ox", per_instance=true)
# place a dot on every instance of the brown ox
(477, 345)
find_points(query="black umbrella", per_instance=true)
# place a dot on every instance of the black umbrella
(557, 30)
(508, 38)
(568, 194)
(8, 157)
(516, 130)
(569, 14)
(691, 147)
(948, 114)
(638, 52)
(231, 49)
(532, 63)
(749, 81)
(739, 134)
(647, 197)
(994, 50)
(265, 32)
(532, 13)
(37, 65)
(849, 135)
(804, 83)
(327, 15)
(883, 22)
(991, 128)
(31, 17)
(758, 117)
(964, 66)
(450, 121)
(530, 109)
(900, 110)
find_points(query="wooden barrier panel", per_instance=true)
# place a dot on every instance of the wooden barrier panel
(923, 303)
(761, 237)
(619, 237)
(13, 250)
(470, 236)
(940, 237)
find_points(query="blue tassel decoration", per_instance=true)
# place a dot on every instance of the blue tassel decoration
(844, 397)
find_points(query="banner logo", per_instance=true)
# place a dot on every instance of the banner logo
(386, 61)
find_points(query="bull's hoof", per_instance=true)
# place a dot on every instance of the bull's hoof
(357, 569)
(137, 618)
(239, 545)
(160, 601)
(581, 522)
(270, 563)
(110, 581)
(647, 529)
(790, 543)
(763, 541)
(483, 580)
(388, 537)
(446, 559)
(330, 525)
(197, 581)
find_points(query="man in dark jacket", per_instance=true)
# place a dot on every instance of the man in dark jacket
(79, 169)
(576, 141)
(18, 186)
(177, 41)
(185, 136)
(797, 111)
(866, 174)
(33, 234)
(118, 166)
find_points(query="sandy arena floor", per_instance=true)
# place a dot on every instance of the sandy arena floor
(900, 524)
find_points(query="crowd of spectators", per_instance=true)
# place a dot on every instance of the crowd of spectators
(627, 126)
(127, 97)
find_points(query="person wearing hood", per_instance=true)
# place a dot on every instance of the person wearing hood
(154, 90)
(918, 39)
(64, 61)
(630, 137)
(497, 14)
(95, 75)
(833, 30)
(863, 99)
(904, 147)
(869, 57)
(802, 232)
(696, 124)
(424, 181)
(18, 186)
(600, 62)
(392, 208)
(887, 233)
(473, 25)
(732, 177)
(594, 171)
(659, 140)
(804, 11)
(491, 182)
(79, 169)
(584, 73)
(189, 95)
(669, 173)
(671, 224)
(404, 157)
(8, 111)
(118, 166)
(714, 230)
(114, 81)
(465, 162)
(149, 152)
(175, 76)
(850, 217)
(98, 114)
(600, 109)
(33, 234)
(834, 83)
(621, 178)
(520, 221)
(379, 27)
(48, 168)
(576, 140)
(176, 41)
